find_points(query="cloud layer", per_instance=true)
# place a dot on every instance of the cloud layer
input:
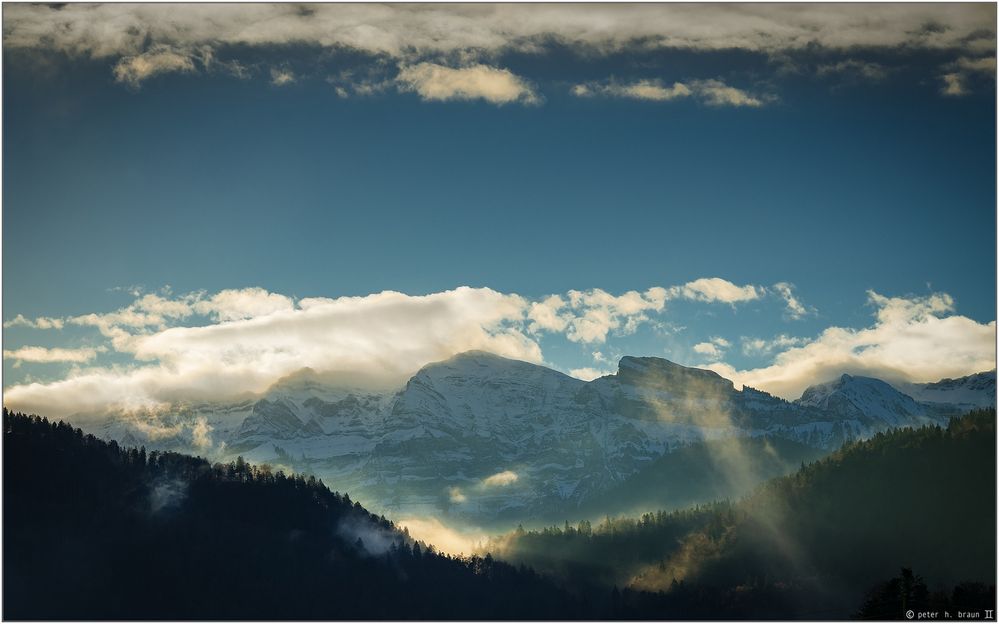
(912, 339)
(216, 347)
(448, 51)
(406, 30)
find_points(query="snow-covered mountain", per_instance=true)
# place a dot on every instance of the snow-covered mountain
(867, 400)
(964, 393)
(488, 439)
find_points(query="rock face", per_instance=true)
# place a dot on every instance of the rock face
(490, 440)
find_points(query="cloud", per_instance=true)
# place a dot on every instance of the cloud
(442, 537)
(713, 349)
(45, 355)
(545, 315)
(201, 347)
(641, 90)
(588, 373)
(241, 304)
(915, 339)
(795, 309)
(717, 93)
(281, 77)
(132, 70)
(439, 83)
(386, 336)
(455, 495)
(857, 68)
(500, 479)
(595, 313)
(201, 433)
(955, 82)
(407, 30)
(759, 346)
(148, 39)
(711, 92)
(716, 289)
(363, 82)
(38, 323)
(589, 316)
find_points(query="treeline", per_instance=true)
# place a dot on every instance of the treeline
(809, 545)
(95, 531)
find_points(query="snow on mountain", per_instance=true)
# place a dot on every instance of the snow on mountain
(964, 393)
(488, 439)
(866, 399)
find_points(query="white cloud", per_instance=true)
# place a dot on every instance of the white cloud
(147, 39)
(640, 90)
(404, 30)
(455, 495)
(796, 310)
(711, 92)
(716, 289)
(387, 336)
(38, 323)
(500, 479)
(281, 76)
(985, 65)
(708, 349)
(132, 70)
(45, 355)
(916, 339)
(956, 79)
(712, 349)
(202, 347)
(442, 537)
(717, 93)
(545, 315)
(759, 346)
(595, 313)
(588, 373)
(245, 303)
(440, 83)
(201, 433)
(873, 72)
(954, 84)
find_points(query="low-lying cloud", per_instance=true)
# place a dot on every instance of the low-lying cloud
(171, 350)
(42, 355)
(916, 339)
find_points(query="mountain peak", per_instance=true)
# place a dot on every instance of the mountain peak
(663, 374)
(863, 396)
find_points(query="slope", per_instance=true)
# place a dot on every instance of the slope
(94, 531)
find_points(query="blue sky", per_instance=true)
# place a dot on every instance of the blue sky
(823, 153)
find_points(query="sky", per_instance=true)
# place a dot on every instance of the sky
(201, 199)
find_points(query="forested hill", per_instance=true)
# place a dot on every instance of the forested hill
(809, 545)
(95, 531)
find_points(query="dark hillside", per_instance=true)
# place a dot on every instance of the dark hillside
(95, 531)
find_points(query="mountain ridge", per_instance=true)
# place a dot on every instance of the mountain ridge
(431, 446)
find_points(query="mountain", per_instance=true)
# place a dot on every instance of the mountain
(492, 441)
(805, 546)
(973, 391)
(93, 531)
(868, 400)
